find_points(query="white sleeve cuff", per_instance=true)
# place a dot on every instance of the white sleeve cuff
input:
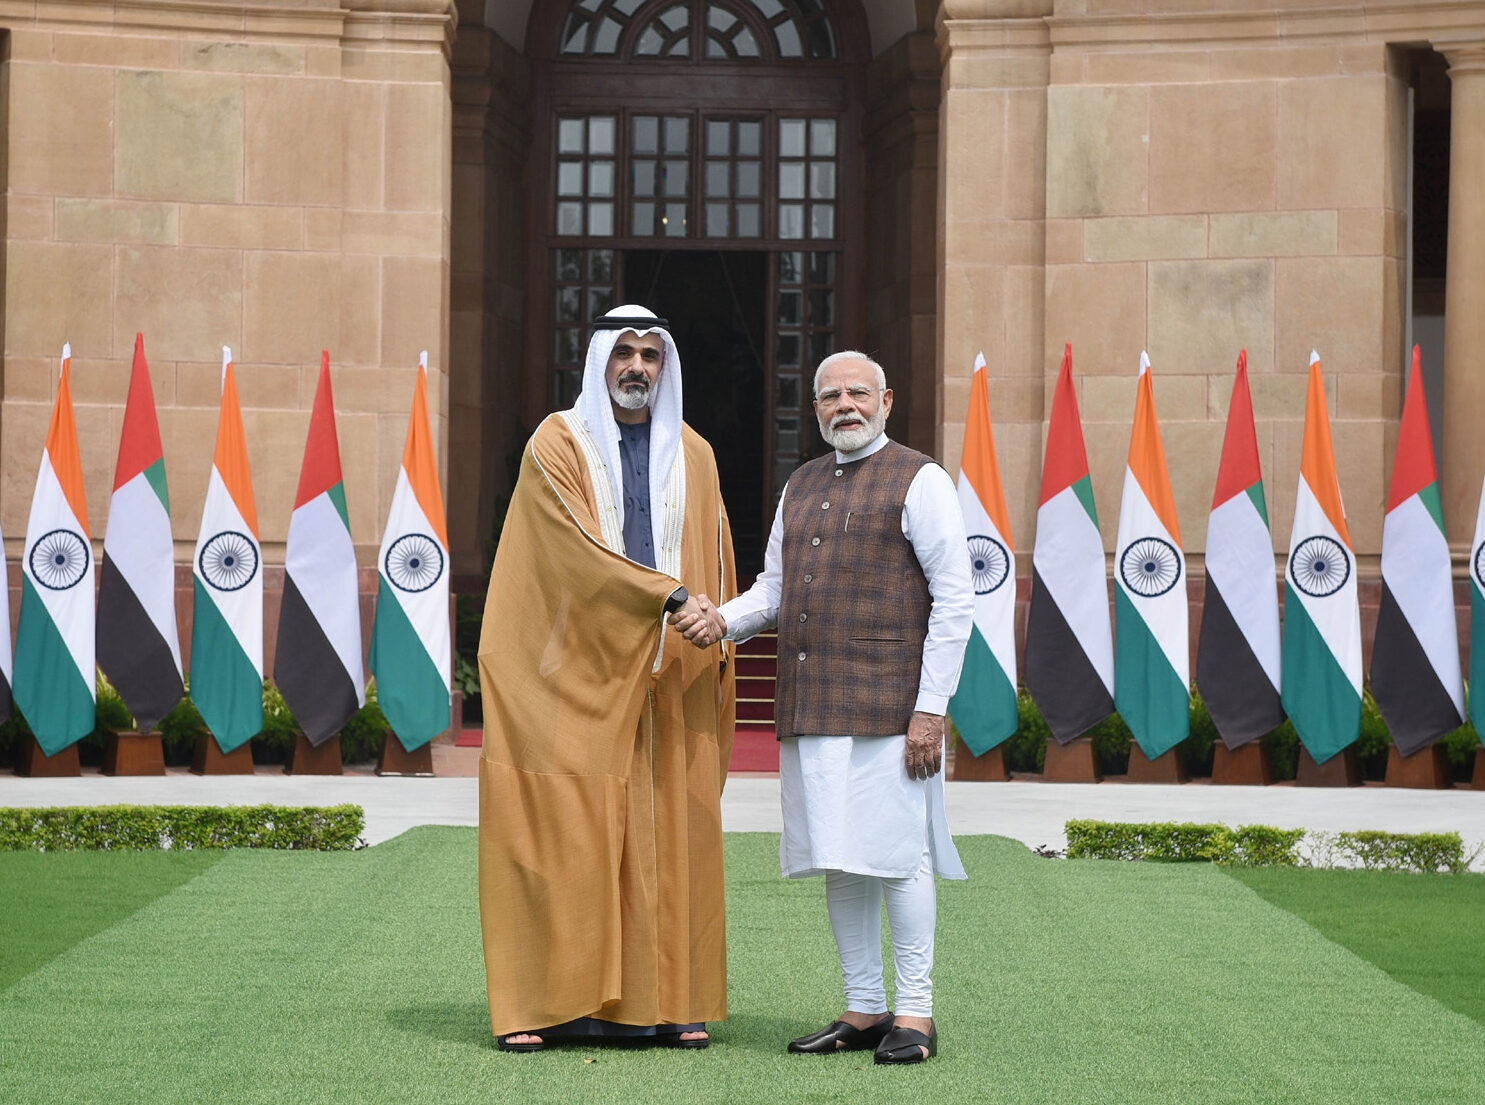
(932, 703)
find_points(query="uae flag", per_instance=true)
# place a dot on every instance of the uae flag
(227, 619)
(138, 644)
(1151, 662)
(1477, 621)
(410, 647)
(317, 664)
(1069, 642)
(984, 706)
(1322, 618)
(54, 668)
(7, 670)
(1237, 656)
(1415, 657)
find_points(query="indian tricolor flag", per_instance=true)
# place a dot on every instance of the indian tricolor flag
(1069, 642)
(7, 667)
(138, 644)
(1151, 658)
(317, 664)
(54, 669)
(1322, 618)
(1415, 657)
(1237, 657)
(1477, 621)
(227, 626)
(984, 706)
(410, 647)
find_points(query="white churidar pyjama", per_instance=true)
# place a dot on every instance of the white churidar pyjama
(855, 905)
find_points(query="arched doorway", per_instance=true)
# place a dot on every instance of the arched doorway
(701, 157)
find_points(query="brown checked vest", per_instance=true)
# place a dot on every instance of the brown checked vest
(854, 603)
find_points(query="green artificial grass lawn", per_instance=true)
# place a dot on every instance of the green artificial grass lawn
(357, 978)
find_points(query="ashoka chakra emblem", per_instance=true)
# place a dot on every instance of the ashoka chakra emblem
(1320, 566)
(989, 563)
(229, 561)
(1150, 566)
(1479, 562)
(414, 562)
(59, 559)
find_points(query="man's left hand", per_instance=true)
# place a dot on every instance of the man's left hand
(925, 745)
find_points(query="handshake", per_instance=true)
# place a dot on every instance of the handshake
(699, 621)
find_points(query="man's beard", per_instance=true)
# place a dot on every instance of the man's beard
(630, 392)
(848, 441)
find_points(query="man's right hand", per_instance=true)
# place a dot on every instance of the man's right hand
(699, 621)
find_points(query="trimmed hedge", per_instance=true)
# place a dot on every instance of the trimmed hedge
(1173, 842)
(1378, 851)
(145, 828)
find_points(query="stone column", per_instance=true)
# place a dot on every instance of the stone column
(1463, 456)
(992, 232)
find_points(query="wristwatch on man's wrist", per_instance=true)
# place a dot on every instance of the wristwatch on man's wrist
(676, 600)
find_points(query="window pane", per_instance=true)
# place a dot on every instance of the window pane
(675, 178)
(720, 18)
(606, 38)
(649, 43)
(786, 435)
(644, 220)
(769, 8)
(681, 48)
(600, 302)
(786, 393)
(789, 308)
(822, 308)
(566, 383)
(601, 265)
(822, 220)
(716, 220)
(822, 268)
(567, 346)
(791, 137)
(791, 268)
(821, 346)
(601, 135)
(627, 6)
(788, 349)
(749, 220)
(574, 36)
(716, 178)
(677, 17)
(646, 134)
(749, 139)
(718, 138)
(570, 136)
(745, 44)
(822, 180)
(788, 39)
(644, 178)
(601, 178)
(822, 137)
(675, 220)
(714, 48)
(791, 181)
(601, 219)
(749, 179)
(569, 178)
(569, 264)
(590, 5)
(677, 135)
(569, 304)
(569, 218)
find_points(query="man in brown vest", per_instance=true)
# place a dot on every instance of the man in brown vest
(867, 577)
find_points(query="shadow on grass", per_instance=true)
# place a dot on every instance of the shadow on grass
(468, 1024)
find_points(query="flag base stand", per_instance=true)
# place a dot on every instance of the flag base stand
(133, 753)
(989, 768)
(33, 762)
(209, 759)
(1425, 769)
(396, 760)
(1341, 770)
(314, 759)
(1164, 768)
(1245, 765)
(1072, 762)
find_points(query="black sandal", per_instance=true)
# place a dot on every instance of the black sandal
(906, 1045)
(504, 1042)
(840, 1036)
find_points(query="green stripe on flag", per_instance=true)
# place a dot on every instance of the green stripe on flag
(1429, 497)
(409, 688)
(51, 693)
(1083, 489)
(337, 496)
(1148, 693)
(1255, 494)
(984, 706)
(1319, 699)
(225, 686)
(155, 473)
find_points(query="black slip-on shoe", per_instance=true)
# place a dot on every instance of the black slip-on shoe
(905, 1045)
(840, 1036)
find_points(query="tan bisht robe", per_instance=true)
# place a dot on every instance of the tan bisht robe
(600, 858)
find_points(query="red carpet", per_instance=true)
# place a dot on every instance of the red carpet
(754, 750)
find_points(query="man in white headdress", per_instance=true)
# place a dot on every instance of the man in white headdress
(606, 737)
(867, 577)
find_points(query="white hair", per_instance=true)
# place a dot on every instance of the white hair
(850, 355)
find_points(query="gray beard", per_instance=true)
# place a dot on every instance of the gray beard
(630, 396)
(848, 441)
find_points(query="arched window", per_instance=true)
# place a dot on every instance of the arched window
(735, 30)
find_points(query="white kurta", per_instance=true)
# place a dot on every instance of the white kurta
(849, 804)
